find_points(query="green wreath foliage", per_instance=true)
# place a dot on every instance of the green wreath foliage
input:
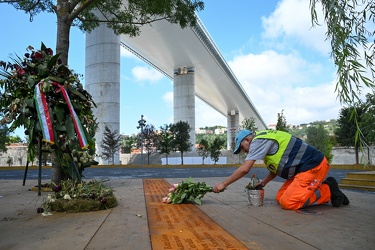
(18, 80)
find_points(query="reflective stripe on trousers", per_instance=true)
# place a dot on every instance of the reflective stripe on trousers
(297, 192)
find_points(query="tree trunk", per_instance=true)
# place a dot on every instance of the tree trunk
(356, 155)
(56, 173)
(182, 158)
(64, 23)
(62, 48)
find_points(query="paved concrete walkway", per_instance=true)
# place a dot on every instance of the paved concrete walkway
(126, 226)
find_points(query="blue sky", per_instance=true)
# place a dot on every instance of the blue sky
(281, 62)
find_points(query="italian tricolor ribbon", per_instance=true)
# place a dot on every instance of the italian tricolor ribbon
(45, 118)
(43, 114)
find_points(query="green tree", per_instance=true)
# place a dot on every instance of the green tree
(215, 148)
(318, 137)
(281, 122)
(9, 161)
(181, 138)
(4, 137)
(249, 124)
(151, 140)
(211, 137)
(165, 141)
(346, 130)
(368, 119)
(121, 18)
(350, 31)
(203, 149)
(127, 143)
(110, 144)
(15, 139)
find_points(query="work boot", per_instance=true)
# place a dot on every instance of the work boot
(338, 198)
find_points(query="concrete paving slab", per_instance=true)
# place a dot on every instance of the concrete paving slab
(21, 227)
(270, 227)
(126, 226)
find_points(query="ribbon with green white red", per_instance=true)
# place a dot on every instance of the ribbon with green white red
(43, 114)
(45, 119)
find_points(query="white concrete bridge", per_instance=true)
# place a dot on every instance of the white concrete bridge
(187, 56)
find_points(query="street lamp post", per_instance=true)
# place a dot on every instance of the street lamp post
(142, 123)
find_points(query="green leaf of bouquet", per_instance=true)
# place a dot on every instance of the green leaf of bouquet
(31, 81)
(190, 180)
(60, 127)
(183, 196)
(57, 79)
(25, 111)
(31, 152)
(77, 93)
(60, 112)
(43, 70)
(63, 70)
(43, 47)
(30, 102)
(69, 127)
(77, 107)
(52, 61)
(198, 201)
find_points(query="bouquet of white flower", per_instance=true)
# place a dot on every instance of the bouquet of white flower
(186, 191)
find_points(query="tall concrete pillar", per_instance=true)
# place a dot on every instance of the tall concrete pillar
(102, 81)
(184, 99)
(233, 125)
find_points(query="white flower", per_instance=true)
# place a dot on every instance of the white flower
(49, 197)
(67, 197)
(166, 200)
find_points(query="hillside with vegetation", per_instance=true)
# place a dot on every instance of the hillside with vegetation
(299, 131)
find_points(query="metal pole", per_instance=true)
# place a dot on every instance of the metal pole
(142, 144)
(40, 168)
(141, 123)
(25, 173)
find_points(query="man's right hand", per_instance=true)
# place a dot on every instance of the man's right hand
(218, 187)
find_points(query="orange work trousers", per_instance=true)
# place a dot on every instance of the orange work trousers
(298, 192)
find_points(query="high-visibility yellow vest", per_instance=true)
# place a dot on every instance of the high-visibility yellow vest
(293, 154)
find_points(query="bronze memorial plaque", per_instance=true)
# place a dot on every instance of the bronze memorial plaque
(182, 226)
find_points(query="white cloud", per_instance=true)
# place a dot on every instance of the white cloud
(273, 68)
(291, 22)
(276, 82)
(207, 116)
(168, 99)
(146, 74)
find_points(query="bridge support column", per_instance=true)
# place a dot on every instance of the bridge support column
(102, 81)
(233, 126)
(184, 99)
